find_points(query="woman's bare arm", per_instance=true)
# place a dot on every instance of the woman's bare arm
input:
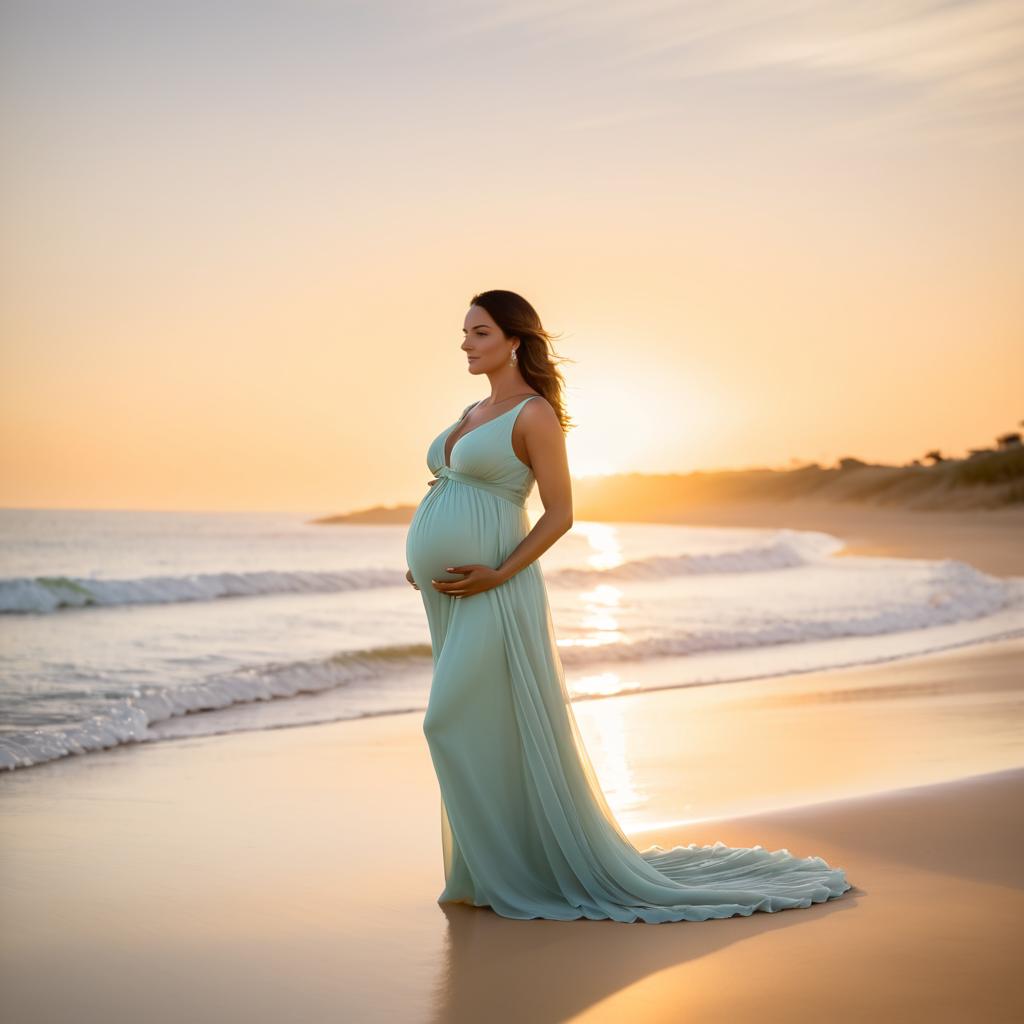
(538, 428)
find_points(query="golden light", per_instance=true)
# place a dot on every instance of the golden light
(647, 423)
(601, 684)
(604, 539)
(608, 747)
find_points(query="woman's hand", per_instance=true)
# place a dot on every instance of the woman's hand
(408, 576)
(475, 580)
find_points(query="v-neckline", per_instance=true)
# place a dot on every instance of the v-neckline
(447, 462)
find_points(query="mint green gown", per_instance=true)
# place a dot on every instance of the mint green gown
(525, 828)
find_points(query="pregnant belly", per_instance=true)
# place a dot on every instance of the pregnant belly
(451, 527)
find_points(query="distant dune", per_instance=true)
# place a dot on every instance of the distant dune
(987, 479)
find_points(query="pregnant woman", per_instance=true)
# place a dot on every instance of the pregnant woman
(525, 827)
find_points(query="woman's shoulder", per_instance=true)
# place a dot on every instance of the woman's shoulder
(536, 412)
(534, 406)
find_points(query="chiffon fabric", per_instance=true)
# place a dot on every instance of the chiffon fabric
(525, 827)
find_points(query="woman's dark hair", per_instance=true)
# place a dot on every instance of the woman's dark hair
(536, 358)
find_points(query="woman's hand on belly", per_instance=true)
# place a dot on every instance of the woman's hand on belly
(475, 580)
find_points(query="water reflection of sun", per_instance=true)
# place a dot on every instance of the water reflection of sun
(605, 736)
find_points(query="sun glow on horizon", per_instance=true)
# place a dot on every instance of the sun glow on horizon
(727, 298)
(643, 422)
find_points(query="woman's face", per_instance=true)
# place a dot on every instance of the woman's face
(486, 347)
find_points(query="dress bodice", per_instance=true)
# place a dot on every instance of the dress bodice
(484, 457)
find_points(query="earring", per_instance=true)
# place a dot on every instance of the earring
(513, 359)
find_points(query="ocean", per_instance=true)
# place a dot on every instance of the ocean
(123, 626)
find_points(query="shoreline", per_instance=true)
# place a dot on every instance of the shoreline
(293, 873)
(316, 853)
(984, 539)
(990, 540)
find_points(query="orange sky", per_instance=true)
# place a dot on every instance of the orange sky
(237, 254)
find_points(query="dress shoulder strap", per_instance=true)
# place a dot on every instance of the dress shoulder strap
(462, 415)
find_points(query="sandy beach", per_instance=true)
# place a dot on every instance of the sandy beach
(293, 873)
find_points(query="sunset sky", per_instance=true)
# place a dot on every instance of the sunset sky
(239, 239)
